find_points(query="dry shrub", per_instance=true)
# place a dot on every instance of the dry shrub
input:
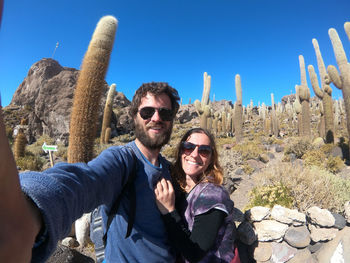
(169, 152)
(309, 186)
(9, 132)
(327, 148)
(334, 164)
(247, 169)
(299, 147)
(249, 150)
(314, 157)
(30, 162)
(36, 148)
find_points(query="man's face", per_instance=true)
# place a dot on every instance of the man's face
(153, 132)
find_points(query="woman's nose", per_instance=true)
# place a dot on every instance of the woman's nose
(195, 152)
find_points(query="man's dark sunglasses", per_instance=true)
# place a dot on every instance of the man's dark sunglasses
(164, 113)
(203, 150)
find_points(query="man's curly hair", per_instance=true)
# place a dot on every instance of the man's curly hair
(155, 88)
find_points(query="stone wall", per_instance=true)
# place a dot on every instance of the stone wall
(285, 235)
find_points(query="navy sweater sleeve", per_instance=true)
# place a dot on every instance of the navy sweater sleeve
(194, 245)
(66, 191)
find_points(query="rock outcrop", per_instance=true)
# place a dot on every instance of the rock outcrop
(47, 92)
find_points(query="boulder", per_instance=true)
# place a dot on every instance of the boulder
(257, 213)
(262, 252)
(287, 216)
(322, 233)
(298, 237)
(321, 217)
(282, 252)
(269, 230)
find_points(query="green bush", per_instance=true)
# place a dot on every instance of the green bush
(270, 195)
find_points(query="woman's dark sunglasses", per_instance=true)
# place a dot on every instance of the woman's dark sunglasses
(203, 150)
(164, 113)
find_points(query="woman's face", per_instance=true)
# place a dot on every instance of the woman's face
(196, 154)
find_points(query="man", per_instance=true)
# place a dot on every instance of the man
(58, 196)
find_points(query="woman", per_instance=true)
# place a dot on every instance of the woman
(200, 227)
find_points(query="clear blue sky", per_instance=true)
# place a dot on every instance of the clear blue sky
(177, 41)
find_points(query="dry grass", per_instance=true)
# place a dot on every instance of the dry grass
(309, 186)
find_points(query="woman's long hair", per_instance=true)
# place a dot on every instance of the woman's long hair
(214, 172)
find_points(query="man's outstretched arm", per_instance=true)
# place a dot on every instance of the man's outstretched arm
(20, 219)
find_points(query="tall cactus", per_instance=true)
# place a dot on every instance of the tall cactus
(341, 81)
(203, 107)
(88, 91)
(107, 114)
(324, 93)
(297, 109)
(20, 144)
(238, 116)
(274, 120)
(304, 96)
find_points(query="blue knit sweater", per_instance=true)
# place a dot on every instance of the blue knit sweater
(66, 191)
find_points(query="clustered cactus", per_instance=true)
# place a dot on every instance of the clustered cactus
(88, 91)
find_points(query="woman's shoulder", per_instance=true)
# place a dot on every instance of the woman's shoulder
(209, 196)
(208, 188)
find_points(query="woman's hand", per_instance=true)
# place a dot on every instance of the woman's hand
(165, 196)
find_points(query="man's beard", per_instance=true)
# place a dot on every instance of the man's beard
(153, 143)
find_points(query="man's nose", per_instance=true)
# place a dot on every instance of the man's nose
(156, 116)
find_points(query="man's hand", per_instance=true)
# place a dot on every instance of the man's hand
(165, 196)
(20, 220)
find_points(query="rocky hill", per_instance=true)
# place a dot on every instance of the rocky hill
(45, 99)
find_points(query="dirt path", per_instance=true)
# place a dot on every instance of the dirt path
(240, 195)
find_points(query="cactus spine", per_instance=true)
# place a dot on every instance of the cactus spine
(341, 81)
(304, 96)
(203, 108)
(88, 91)
(107, 114)
(238, 116)
(324, 93)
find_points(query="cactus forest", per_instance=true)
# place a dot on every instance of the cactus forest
(294, 152)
